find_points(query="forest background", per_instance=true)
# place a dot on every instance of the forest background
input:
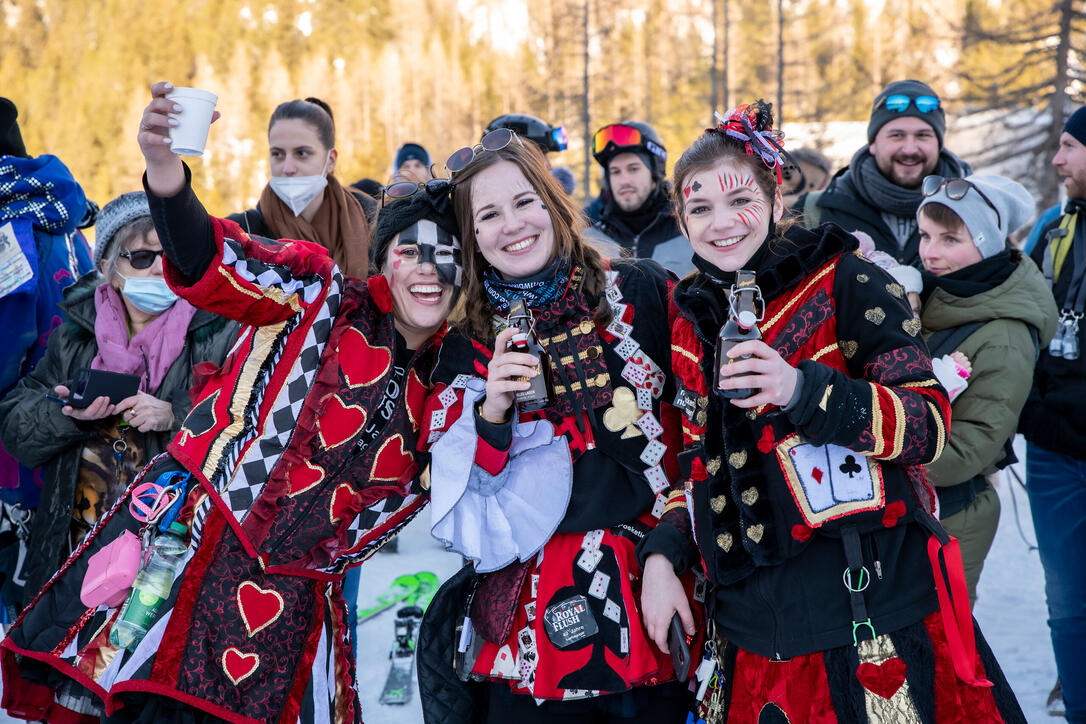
(436, 71)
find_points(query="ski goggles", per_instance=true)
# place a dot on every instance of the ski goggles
(558, 139)
(956, 189)
(496, 140)
(618, 134)
(899, 102)
(407, 189)
(141, 258)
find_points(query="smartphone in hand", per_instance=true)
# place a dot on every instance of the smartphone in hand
(679, 648)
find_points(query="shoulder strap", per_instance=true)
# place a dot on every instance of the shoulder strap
(811, 211)
(946, 341)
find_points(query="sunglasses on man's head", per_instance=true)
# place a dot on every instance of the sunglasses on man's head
(899, 102)
(956, 189)
(496, 140)
(141, 258)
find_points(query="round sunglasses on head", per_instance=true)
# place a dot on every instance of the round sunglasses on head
(407, 189)
(496, 140)
(956, 189)
(141, 258)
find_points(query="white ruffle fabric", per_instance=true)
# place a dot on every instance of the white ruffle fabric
(496, 519)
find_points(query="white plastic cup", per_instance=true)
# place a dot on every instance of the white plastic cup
(189, 136)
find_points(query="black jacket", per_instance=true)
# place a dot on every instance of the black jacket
(659, 239)
(1054, 416)
(40, 436)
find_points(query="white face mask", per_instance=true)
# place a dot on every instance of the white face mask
(298, 191)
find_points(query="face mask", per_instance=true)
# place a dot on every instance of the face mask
(298, 191)
(149, 294)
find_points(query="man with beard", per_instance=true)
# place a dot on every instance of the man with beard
(879, 191)
(1052, 422)
(634, 208)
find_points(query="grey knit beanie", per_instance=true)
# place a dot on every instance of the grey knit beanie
(1010, 198)
(118, 212)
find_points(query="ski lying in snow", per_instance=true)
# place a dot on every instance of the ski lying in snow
(398, 591)
(397, 689)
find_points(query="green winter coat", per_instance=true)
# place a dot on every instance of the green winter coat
(1003, 355)
(36, 433)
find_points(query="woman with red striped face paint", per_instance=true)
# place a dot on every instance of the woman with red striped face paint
(833, 589)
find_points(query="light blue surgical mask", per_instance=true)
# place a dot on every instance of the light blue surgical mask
(149, 294)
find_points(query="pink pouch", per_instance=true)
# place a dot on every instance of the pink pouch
(110, 572)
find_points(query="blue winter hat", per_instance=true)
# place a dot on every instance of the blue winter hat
(410, 151)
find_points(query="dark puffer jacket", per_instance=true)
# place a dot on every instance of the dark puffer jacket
(39, 435)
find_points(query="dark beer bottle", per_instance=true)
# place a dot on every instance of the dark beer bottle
(742, 326)
(541, 393)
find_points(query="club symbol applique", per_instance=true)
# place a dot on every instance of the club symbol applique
(850, 467)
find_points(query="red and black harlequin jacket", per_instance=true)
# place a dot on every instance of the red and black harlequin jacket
(294, 483)
(768, 492)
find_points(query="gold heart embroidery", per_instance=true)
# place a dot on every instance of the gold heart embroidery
(700, 418)
(713, 466)
(738, 459)
(875, 315)
(862, 278)
(623, 413)
(749, 496)
(718, 504)
(238, 666)
(259, 607)
(755, 532)
(724, 540)
(912, 326)
(849, 348)
(896, 289)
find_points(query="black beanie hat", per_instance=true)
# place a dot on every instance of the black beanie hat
(410, 151)
(431, 203)
(881, 115)
(11, 141)
(1076, 125)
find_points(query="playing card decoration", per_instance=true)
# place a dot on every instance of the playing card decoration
(829, 481)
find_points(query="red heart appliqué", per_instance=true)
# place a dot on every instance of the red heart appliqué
(802, 533)
(239, 666)
(343, 500)
(259, 607)
(391, 462)
(361, 363)
(416, 398)
(766, 441)
(340, 422)
(892, 512)
(304, 477)
(883, 679)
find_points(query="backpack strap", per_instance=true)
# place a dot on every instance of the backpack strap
(812, 213)
(947, 340)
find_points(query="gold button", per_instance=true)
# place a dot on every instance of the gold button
(586, 326)
(593, 352)
(601, 379)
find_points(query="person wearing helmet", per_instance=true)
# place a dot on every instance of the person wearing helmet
(549, 138)
(635, 211)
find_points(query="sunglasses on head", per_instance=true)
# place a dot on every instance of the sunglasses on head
(141, 258)
(496, 140)
(407, 189)
(956, 189)
(899, 102)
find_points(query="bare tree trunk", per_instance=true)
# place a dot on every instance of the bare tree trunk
(1057, 105)
(724, 76)
(780, 64)
(713, 80)
(585, 118)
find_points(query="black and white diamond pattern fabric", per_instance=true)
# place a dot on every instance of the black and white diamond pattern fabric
(371, 519)
(245, 485)
(34, 198)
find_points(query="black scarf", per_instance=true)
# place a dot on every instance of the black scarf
(536, 291)
(877, 191)
(974, 279)
(640, 218)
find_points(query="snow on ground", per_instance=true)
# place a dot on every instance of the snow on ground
(1010, 609)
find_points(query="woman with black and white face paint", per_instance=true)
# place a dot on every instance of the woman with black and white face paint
(303, 198)
(300, 459)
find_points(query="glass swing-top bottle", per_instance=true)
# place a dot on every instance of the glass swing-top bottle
(541, 393)
(742, 326)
